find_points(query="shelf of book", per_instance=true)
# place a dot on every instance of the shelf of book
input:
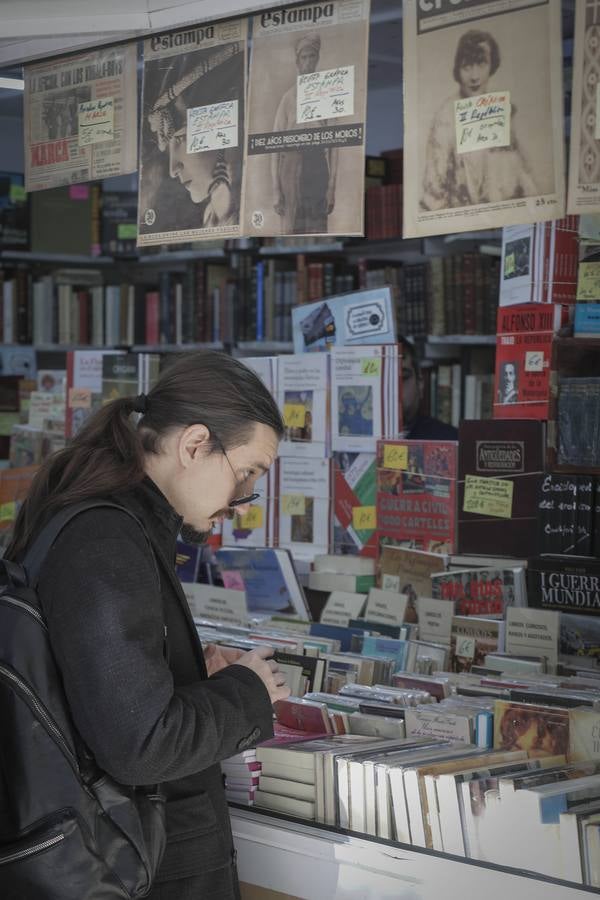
(300, 860)
(471, 339)
(307, 249)
(56, 259)
(179, 256)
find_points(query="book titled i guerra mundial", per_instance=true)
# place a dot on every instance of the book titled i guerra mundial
(564, 585)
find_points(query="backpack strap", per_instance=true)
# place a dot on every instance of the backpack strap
(36, 554)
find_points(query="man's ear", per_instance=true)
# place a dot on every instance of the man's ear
(194, 441)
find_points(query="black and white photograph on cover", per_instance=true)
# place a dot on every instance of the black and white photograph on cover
(355, 410)
(508, 391)
(516, 258)
(192, 139)
(483, 117)
(584, 150)
(306, 121)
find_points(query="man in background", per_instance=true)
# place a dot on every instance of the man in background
(415, 425)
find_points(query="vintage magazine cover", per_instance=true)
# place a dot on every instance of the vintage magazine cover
(307, 94)
(81, 117)
(192, 138)
(483, 114)
(584, 150)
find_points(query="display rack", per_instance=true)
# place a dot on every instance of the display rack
(297, 860)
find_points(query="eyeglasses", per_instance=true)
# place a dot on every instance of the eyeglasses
(239, 501)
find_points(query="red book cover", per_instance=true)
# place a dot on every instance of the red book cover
(523, 353)
(416, 493)
(152, 318)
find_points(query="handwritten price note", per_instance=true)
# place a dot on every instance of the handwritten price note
(488, 496)
(534, 361)
(325, 95)
(8, 512)
(293, 505)
(588, 281)
(294, 415)
(370, 366)
(364, 518)
(212, 127)
(80, 398)
(252, 519)
(96, 121)
(482, 122)
(465, 647)
(395, 456)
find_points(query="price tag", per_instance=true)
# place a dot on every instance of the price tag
(252, 519)
(8, 512)
(465, 647)
(488, 496)
(80, 398)
(293, 505)
(17, 193)
(364, 517)
(395, 456)
(126, 231)
(294, 415)
(370, 366)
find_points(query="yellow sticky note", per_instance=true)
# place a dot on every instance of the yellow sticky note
(293, 505)
(80, 398)
(395, 456)
(370, 366)
(588, 281)
(488, 496)
(364, 517)
(252, 519)
(294, 415)
(509, 264)
(8, 511)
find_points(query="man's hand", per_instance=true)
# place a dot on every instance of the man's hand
(217, 657)
(267, 670)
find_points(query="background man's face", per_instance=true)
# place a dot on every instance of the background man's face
(411, 391)
(307, 61)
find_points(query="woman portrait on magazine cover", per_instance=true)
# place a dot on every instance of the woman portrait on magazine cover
(453, 179)
(181, 190)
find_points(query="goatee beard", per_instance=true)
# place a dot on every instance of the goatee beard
(191, 536)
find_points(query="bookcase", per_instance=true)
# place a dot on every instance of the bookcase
(296, 860)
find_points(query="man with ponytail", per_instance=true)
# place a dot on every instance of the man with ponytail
(148, 705)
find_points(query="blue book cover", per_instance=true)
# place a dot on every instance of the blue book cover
(362, 317)
(187, 561)
(587, 320)
(385, 647)
(260, 301)
(268, 577)
(337, 633)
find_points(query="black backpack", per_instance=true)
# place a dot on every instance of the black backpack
(67, 830)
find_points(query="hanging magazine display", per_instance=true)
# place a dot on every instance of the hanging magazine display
(192, 134)
(80, 117)
(306, 120)
(483, 115)
(584, 155)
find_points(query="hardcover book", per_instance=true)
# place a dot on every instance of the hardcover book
(564, 584)
(354, 493)
(416, 493)
(481, 592)
(523, 357)
(511, 455)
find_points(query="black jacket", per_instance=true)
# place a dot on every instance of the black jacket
(146, 719)
(424, 428)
